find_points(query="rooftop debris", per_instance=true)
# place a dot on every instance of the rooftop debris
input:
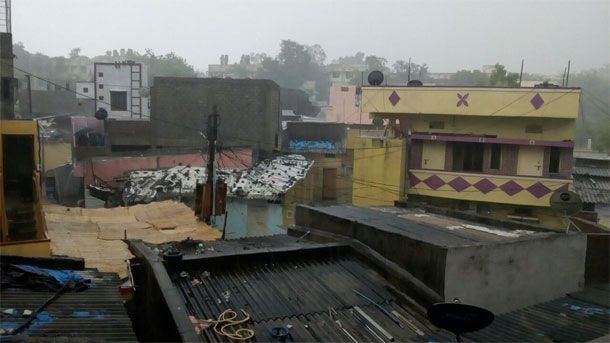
(271, 178)
(267, 180)
(148, 185)
(97, 234)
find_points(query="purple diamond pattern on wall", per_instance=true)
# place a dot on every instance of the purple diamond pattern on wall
(538, 190)
(511, 188)
(459, 184)
(434, 182)
(413, 180)
(537, 101)
(563, 188)
(394, 98)
(485, 186)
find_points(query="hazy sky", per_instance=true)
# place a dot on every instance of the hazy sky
(447, 35)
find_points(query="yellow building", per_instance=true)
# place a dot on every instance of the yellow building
(22, 226)
(499, 151)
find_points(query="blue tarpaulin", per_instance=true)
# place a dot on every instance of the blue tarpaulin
(301, 145)
(60, 275)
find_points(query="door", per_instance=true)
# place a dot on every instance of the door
(433, 155)
(329, 184)
(530, 160)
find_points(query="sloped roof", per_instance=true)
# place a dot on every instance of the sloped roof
(95, 314)
(592, 189)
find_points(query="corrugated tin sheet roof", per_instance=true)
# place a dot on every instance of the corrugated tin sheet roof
(569, 319)
(593, 171)
(298, 292)
(592, 189)
(96, 313)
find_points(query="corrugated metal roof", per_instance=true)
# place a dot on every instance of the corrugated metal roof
(298, 291)
(96, 313)
(592, 189)
(568, 319)
(593, 171)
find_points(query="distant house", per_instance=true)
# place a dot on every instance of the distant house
(344, 106)
(500, 152)
(592, 182)
(120, 88)
(344, 74)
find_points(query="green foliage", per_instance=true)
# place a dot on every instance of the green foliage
(501, 78)
(401, 71)
(376, 63)
(62, 70)
(295, 65)
(357, 58)
(470, 78)
(594, 120)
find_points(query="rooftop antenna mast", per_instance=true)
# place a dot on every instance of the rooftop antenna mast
(568, 73)
(521, 73)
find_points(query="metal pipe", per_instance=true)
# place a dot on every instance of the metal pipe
(374, 323)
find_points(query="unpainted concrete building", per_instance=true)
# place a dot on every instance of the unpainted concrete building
(249, 112)
(494, 267)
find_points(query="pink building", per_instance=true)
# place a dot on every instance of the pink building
(344, 106)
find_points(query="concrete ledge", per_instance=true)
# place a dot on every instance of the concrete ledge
(408, 287)
(504, 224)
(501, 273)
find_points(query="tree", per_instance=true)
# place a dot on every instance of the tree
(317, 54)
(375, 63)
(470, 78)
(257, 57)
(402, 69)
(594, 119)
(295, 65)
(357, 58)
(74, 52)
(499, 77)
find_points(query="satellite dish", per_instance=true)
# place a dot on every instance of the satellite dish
(101, 114)
(375, 78)
(459, 318)
(566, 202)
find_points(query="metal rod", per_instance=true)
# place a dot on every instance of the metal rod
(386, 312)
(363, 323)
(374, 323)
(408, 322)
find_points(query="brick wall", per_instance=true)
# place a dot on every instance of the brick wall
(249, 112)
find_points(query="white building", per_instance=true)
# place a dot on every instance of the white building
(121, 88)
(344, 74)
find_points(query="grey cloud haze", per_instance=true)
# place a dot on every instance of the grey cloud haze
(447, 35)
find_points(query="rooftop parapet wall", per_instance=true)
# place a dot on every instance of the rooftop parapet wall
(473, 101)
(502, 271)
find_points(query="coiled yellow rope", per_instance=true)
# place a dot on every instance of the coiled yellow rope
(227, 320)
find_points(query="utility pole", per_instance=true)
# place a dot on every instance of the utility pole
(29, 92)
(521, 73)
(212, 133)
(409, 72)
(568, 73)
